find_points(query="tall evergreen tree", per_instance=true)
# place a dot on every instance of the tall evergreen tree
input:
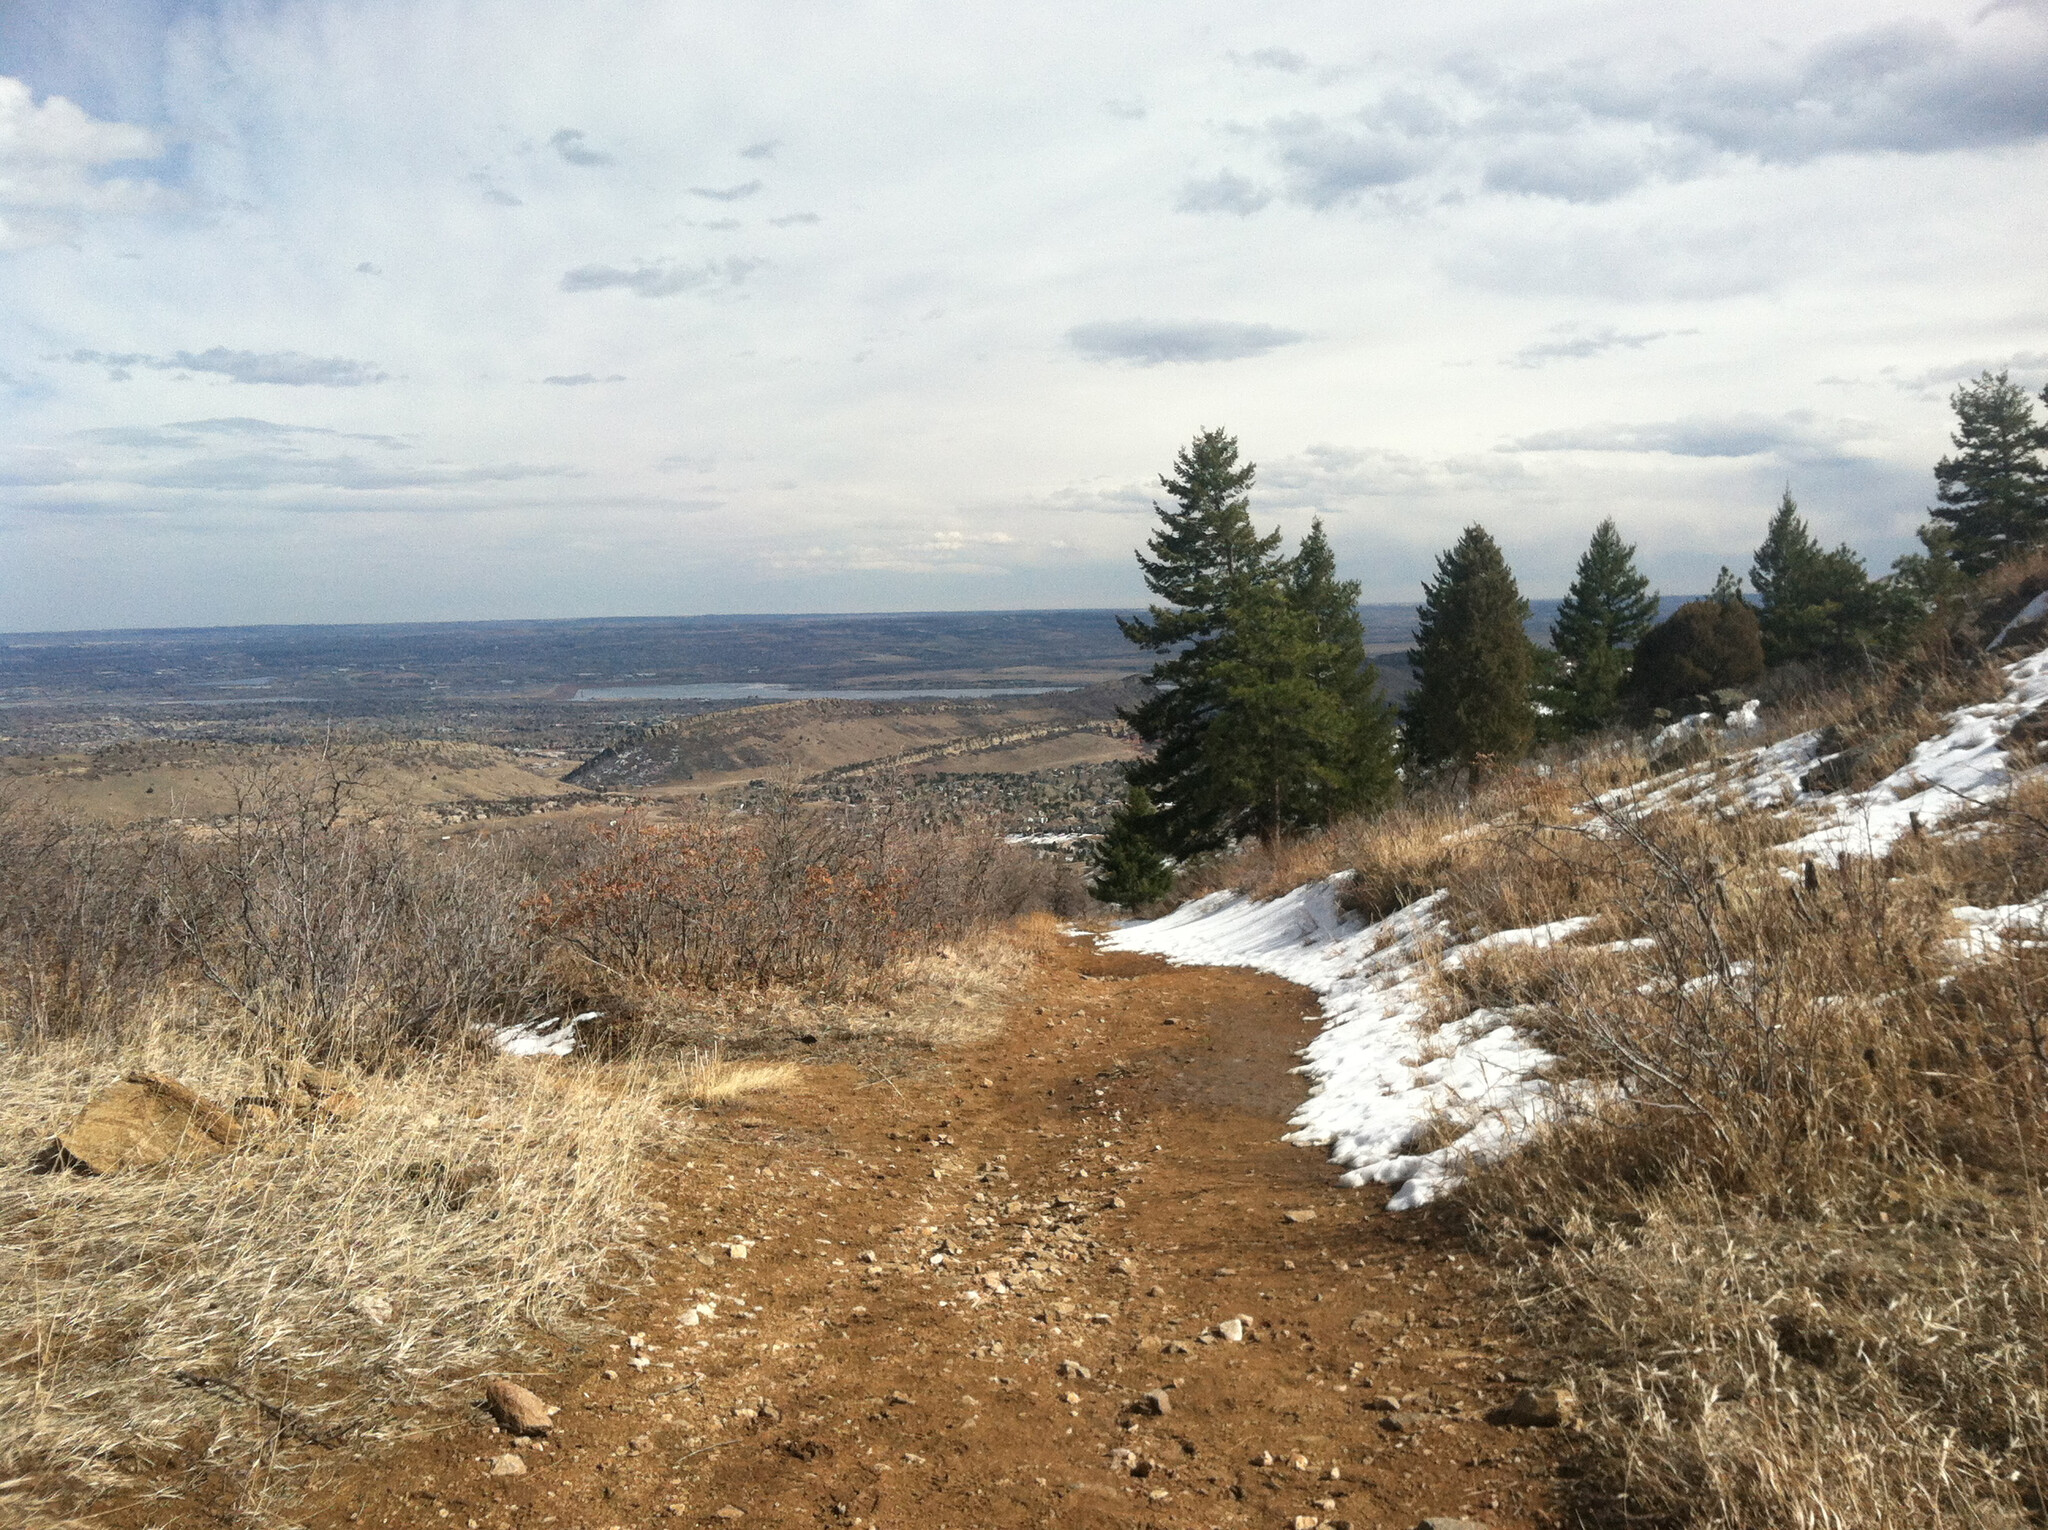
(1129, 870)
(1204, 560)
(1993, 492)
(1600, 620)
(1813, 604)
(1472, 661)
(1301, 735)
(1365, 758)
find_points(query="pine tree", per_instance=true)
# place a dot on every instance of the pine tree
(1271, 743)
(1993, 492)
(1365, 771)
(1472, 660)
(1813, 604)
(1301, 735)
(1602, 617)
(1204, 559)
(1129, 870)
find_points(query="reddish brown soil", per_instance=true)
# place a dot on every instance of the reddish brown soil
(1102, 1184)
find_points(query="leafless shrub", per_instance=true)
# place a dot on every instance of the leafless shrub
(801, 897)
(79, 936)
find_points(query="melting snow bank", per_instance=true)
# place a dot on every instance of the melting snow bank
(552, 1037)
(1946, 775)
(1381, 1074)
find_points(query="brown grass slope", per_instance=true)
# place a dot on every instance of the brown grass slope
(1788, 1241)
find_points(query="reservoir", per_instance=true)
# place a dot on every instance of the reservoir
(766, 691)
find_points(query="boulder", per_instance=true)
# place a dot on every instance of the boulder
(517, 1410)
(144, 1120)
(1539, 1408)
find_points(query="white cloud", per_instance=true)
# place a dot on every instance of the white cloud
(1223, 192)
(737, 193)
(573, 144)
(1017, 260)
(290, 369)
(1148, 343)
(58, 167)
(662, 280)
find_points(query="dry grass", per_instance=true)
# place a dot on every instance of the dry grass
(1790, 1242)
(710, 1078)
(1792, 1249)
(341, 1272)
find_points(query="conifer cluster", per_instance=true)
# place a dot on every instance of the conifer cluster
(1263, 715)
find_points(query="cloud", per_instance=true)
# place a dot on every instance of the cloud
(1799, 435)
(1567, 173)
(368, 269)
(1598, 129)
(765, 149)
(1225, 192)
(719, 225)
(662, 280)
(493, 192)
(1941, 379)
(1627, 261)
(1148, 344)
(1569, 342)
(570, 144)
(1329, 165)
(291, 369)
(792, 220)
(737, 193)
(583, 380)
(1286, 60)
(56, 168)
(1129, 111)
(181, 434)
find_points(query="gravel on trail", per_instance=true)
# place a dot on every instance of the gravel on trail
(1069, 1276)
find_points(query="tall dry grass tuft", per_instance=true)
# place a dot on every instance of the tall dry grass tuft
(1791, 1235)
(338, 1273)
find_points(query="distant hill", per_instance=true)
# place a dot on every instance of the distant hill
(347, 669)
(813, 740)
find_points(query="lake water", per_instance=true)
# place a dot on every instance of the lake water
(764, 691)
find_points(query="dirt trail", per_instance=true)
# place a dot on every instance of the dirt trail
(986, 1293)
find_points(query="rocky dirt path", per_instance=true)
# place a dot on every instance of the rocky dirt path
(1068, 1278)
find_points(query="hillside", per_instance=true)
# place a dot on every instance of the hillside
(812, 739)
(1725, 1045)
(195, 781)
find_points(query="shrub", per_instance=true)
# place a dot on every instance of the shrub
(1705, 645)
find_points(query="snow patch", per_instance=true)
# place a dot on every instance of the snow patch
(1946, 775)
(1380, 1072)
(2034, 610)
(552, 1037)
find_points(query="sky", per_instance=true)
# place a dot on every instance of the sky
(354, 310)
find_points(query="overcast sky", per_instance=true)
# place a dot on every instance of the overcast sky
(366, 311)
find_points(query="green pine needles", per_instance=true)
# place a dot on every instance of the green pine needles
(1129, 870)
(1601, 619)
(1993, 493)
(1474, 664)
(1263, 714)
